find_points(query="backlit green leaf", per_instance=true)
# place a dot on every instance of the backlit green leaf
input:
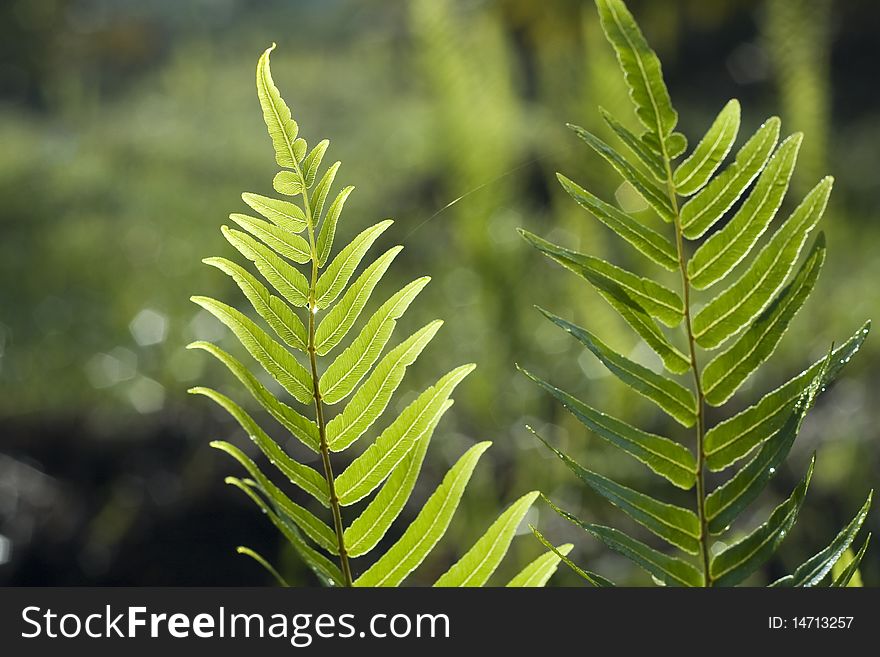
(650, 158)
(641, 68)
(328, 226)
(739, 560)
(327, 571)
(669, 570)
(276, 114)
(307, 478)
(742, 301)
(697, 169)
(591, 577)
(299, 426)
(313, 161)
(344, 314)
(728, 246)
(727, 371)
(284, 242)
(541, 569)
(370, 526)
(335, 278)
(373, 396)
(648, 242)
(730, 440)
(429, 526)
(274, 358)
(285, 278)
(701, 212)
(478, 563)
(658, 300)
(654, 196)
(283, 214)
(315, 529)
(817, 567)
(849, 574)
(273, 310)
(354, 362)
(376, 462)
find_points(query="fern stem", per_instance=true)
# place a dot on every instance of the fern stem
(701, 406)
(325, 450)
(335, 507)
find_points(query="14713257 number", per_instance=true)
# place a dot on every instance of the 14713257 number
(810, 622)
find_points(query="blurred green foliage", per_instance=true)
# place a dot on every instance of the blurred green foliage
(129, 129)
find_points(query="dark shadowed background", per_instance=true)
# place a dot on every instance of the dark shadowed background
(129, 129)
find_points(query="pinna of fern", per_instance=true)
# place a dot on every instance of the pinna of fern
(735, 329)
(359, 379)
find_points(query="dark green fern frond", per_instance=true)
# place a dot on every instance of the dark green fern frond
(721, 338)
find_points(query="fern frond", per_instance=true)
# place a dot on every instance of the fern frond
(335, 295)
(591, 577)
(753, 313)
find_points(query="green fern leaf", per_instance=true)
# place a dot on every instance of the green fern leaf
(322, 189)
(591, 577)
(287, 244)
(256, 556)
(672, 571)
(333, 281)
(729, 370)
(739, 560)
(641, 67)
(374, 521)
(313, 161)
(289, 282)
(680, 527)
(742, 301)
(274, 358)
(727, 247)
(541, 569)
(334, 327)
(727, 501)
(637, 146)
(429, 526)
(659, 301)
(302, 233)
(369, 469)
(328, 227)
(817, 567)
(649, 243)
(704, 209)
(478, 563)
(321, 565)
(301, 475)
(306, 521)
(373, 396)
(351, 365)
(282, 128)
(283, 214)
(697, 169)
(672, 397)
(734, 438)
(665, 457)
(647, 188)
(849, 575)
(273, 310)
(751, 316)
(299, 426)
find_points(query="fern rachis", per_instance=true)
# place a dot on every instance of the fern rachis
(750, 316)
(333, 299)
